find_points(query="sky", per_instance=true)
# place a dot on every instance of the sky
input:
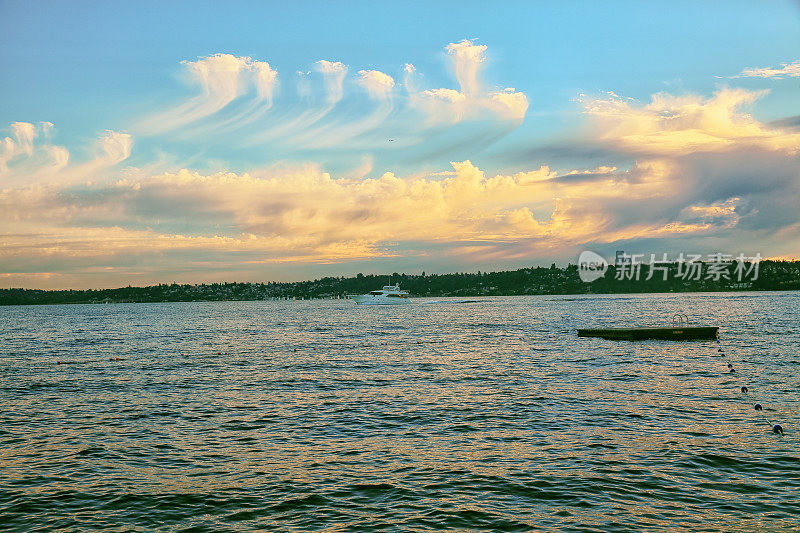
(157, 142)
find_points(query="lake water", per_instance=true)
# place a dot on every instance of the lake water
(489, 415)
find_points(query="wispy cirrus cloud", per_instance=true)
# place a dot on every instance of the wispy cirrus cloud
(786, 70)
(334, 73)
(473, 100)
(336, 109)
(22, 155)
(25, 133)
(467, 61)
(28, 161)
(222, 78)
(378, 84)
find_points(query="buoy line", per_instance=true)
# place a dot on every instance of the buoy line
(745, 390)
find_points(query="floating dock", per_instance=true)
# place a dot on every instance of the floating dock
(675, 333)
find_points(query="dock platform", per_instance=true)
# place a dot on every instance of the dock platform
(679, 333)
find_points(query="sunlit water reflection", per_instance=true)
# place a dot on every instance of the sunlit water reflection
(488, 415)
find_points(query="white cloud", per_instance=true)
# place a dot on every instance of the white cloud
(25, 132)
(377, 84)
(786, 70)
(510, 103)
(59, 155)
(303, 84)
(265, 79)
(114, 147)
(6, 153)
(30, 155)
(334, 73)
(472, 101)
(220, 77)
(409, 73)
(467, 59)
(449, 95)
(46, 128)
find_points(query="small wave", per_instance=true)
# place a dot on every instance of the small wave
(293, 504)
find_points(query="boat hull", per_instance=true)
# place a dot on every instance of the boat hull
(369, 299)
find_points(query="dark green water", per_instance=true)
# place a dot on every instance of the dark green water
(482, 416)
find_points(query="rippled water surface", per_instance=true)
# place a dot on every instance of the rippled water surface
(321, 415)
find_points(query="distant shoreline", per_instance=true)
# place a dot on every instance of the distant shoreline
(772, 276)
(115, 302)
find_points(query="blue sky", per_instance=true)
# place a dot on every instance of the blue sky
(566, 87)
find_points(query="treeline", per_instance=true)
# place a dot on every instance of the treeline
(771, 276)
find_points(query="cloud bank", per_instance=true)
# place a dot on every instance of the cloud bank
(681, 172)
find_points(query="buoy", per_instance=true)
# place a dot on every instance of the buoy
(744, 389)
(219, 353)
(777, 429)
(758, 407)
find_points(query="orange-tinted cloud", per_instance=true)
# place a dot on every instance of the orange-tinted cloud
(680, 124)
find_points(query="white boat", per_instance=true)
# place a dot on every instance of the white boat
(388, 295)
